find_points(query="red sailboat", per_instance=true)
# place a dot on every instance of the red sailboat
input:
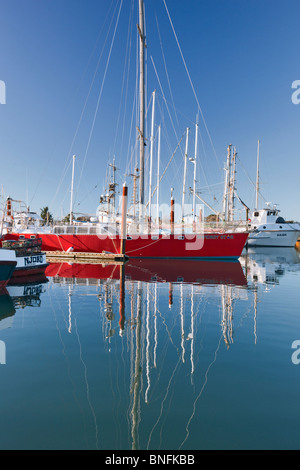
(109, 236)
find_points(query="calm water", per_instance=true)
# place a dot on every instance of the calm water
(190, 355)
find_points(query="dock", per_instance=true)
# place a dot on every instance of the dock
(82, 257)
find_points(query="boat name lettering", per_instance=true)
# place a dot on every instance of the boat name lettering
(33, 259)
(32, 290)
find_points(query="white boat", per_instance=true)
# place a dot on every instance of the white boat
(268, 228)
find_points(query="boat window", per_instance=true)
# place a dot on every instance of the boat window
(264, 226)
(21, 237)
(181, 237)
(93, 230)
(58, 230)
(256, 214)
(71, 230)
(32, 236)
(83, 230)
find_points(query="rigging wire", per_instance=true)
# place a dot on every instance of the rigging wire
(87, 98)
(100, 93)
(191, 83)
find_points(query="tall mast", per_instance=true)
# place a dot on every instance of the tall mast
(142, 101)
(257, 177)
(227, 175)
(158, 175)
(72, 191)
(151, 153)
(184, 171)
(195, 174)
(232, 184)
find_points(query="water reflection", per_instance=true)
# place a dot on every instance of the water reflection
(159, 309)
(166, 328)
(19, 294)
(266, 265)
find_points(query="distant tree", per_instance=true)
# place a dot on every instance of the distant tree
(46, 216)
(211, 218)
(66, 219)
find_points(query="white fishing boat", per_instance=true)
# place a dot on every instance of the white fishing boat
(268, 228)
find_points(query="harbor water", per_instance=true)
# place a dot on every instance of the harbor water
(156, 355)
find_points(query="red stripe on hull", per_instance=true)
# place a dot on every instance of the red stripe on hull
(213, 245)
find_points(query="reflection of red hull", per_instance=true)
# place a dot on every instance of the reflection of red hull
(38, 277)
(188, 271)
(211, 245)
(28, 272)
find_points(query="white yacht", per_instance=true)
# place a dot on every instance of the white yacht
(268, 228)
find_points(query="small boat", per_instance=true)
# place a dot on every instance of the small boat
(7, 266)
(268, 228)
(29, 259)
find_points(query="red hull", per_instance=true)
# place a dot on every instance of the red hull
(210, 245)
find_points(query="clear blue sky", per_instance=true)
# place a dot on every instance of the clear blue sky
(242, 57)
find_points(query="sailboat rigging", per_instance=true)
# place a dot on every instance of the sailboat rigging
(143, 239)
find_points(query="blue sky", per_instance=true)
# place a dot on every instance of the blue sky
(241, 56)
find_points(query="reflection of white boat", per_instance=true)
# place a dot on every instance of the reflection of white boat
(267, 228)
(7, 309)
(26, 295)
(265, 265)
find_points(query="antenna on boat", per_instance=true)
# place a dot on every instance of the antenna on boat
(257, 176)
